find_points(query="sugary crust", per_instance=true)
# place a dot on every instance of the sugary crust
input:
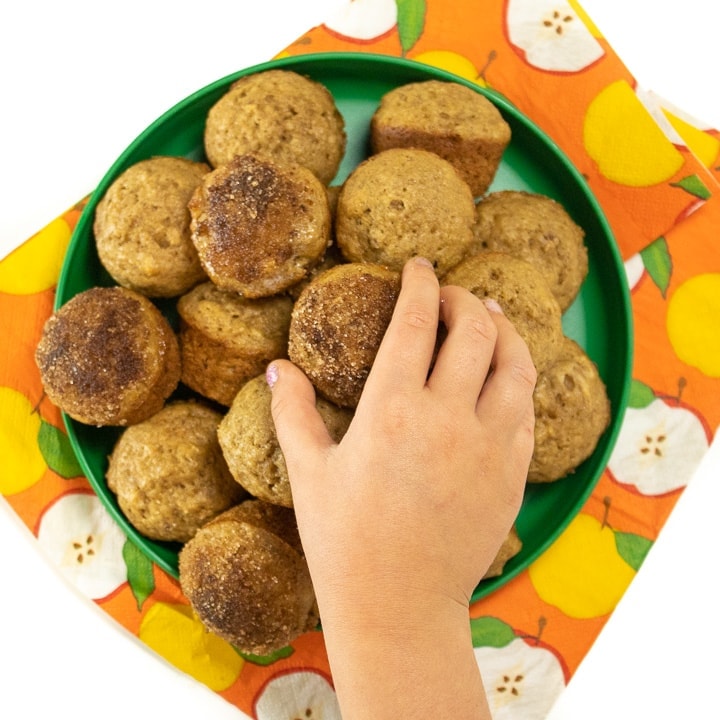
(572, 410)
(523, 294)
(225, 339)
(247, 585)
(401, 203)
(108, 357)
(281, 115)
(446, 118)
(142, 227)
(249, 442)
(169, 473)
(337, 325)
(538, 229)
(259, 227)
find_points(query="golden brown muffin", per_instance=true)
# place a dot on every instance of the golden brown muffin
(449, 119)
(108, 357)
(169, 474)
(572, 411)
(247, 585)
(142, 227)
(281, 115)
(276, 519)
(523, 294)
(535, 228)
(510, 547)
(337, 325)
(259, 227)
(249, 442)
(401, 203)
(225, 339)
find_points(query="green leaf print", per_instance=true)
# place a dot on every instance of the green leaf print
(657, 261)
(490, 632)
(632, 548)
(693, 185)
(56, 450)
(284, 652)
(410, 22)
(139, 573)
(641, 395)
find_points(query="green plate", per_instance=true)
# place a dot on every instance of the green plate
(599, 320)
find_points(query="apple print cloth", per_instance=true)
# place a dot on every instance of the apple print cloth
(656, 175)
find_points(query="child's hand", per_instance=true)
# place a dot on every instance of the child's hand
(402, 518)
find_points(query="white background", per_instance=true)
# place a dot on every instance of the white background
(79, 81)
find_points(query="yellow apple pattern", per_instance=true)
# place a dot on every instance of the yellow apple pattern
(655, 173)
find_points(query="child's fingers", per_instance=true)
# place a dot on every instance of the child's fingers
(507, 396)
(465, 356)
(300, 429)
(404, 356)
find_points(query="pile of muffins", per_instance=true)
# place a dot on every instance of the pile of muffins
(263, 258)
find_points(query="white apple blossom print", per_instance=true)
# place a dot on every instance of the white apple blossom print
(363, 19)
(299, 694)
(659, 447)
(82, 540)
(522, 680)
(551, 36)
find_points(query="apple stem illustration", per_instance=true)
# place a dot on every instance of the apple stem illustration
(607, 501)
(542, 622)
(36, 407)
(681, 385)
(491, 56)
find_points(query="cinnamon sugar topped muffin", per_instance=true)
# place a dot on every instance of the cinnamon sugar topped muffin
(108, 357)
(259, 226)
(281, 115)
(247, 584)
(337, 325)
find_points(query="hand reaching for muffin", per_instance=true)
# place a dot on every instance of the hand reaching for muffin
(412, 504)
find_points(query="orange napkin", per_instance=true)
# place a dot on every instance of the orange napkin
(657, 177)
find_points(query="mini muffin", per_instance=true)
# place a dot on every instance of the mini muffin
(337, 325)
(572, 411)
(401, 203)
(510, 547)
(247, 585)
(259, 226)
(523, 294)
(449, 119)
(276, 519)
(535, 228)
(108, 357)
(142, 227)
(249, 442)
(225, 339)
(281, 115)
(169, 473)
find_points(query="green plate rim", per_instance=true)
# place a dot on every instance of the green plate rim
(166, 557)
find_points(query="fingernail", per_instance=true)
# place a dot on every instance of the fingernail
(423, 261)
(271, 375)
(493, 306)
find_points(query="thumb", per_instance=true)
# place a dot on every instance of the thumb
(300, 429)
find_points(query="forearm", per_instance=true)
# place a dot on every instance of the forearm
(404, 663)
